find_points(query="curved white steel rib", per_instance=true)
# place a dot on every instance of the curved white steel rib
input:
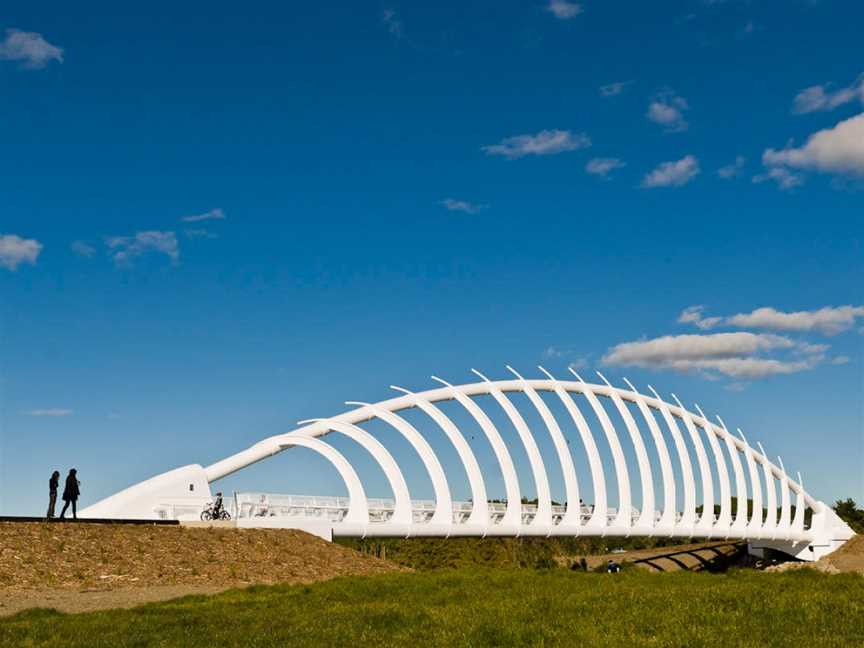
(646, 516)
(598, 480)
(624, 517)
(573, 511)
(755, 525)
(724, 520)
(740, 522)
(513, 515)
(771, 517)
(541, 480)
(706, 520)
(402, 510)
(826, 532)
(358, 507)
(688, 517)
(443, 501)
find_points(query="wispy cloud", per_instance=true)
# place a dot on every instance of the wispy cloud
(390, 19)
(573, 360)
(614, 89)
(546, 142)
(200, 233)
(213, 214)
(672, 174)
(783, 177)
(731, 170)
(603, 166)
(53, 411)
(451, 204)
(15, 250)
(694, 315)
(124, 249)
(82, 249)
(564, 10)
(30, 49)
(829, 320)
(821, 98)
(667, 109)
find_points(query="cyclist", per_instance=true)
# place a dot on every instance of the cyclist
(217, 506)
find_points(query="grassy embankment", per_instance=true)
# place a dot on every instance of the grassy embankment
(484, 607)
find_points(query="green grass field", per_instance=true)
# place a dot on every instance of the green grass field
(485, 608)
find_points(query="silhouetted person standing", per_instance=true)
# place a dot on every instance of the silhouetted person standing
(70, 494)
(53, 485)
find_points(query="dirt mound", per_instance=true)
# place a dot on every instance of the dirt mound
(37, 559)
(848, 558)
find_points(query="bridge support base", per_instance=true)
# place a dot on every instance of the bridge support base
(828, 532)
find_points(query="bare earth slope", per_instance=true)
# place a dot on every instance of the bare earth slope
(76, 567)
(848, 558)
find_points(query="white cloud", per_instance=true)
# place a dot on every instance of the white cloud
(54, 411)
(15, 250)
(729, 354)
(546, 142)
(614, 89)
(840, 360)
(30, 49)
(821, 98)
(452, 204)
(667, 109)
(784, 178)
(82, 249)
(126, 248)
(564, 10)
(829, 320)
(672, 174)
(603, 166)
(392, 22)
(833, 150)
(213, 214)
(732, 170)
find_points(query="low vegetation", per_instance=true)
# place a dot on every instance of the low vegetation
(484, 607)
(459, 553)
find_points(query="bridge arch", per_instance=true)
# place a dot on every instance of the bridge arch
(788, 533)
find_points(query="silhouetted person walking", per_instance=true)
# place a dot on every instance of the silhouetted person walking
(70, 494)
(53, 485)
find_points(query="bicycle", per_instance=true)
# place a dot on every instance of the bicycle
(210, 513)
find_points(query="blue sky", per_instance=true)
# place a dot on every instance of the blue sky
(216, 221)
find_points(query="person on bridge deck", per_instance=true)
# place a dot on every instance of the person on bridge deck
(53, 485)
(71, 493)
(217, 505)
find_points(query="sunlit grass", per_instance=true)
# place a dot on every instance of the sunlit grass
(484, 607)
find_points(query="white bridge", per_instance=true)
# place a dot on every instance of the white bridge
(772, 523)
